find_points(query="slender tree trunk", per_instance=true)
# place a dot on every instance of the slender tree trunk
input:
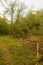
(11, 19)
(37, 53)
(38, 50)
(12, 12)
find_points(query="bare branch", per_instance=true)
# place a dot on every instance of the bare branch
(2, 4)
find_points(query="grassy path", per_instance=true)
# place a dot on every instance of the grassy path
(12, 51)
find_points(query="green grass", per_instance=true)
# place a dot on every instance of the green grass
(17, 51)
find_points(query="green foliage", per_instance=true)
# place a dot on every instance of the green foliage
(3, 26)
(32, 23)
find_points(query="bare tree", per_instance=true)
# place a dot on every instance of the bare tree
(20, 11)
(10, 9)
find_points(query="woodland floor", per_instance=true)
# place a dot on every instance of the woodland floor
(20, 51)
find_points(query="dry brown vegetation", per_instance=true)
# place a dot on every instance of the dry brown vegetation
(19, 51)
